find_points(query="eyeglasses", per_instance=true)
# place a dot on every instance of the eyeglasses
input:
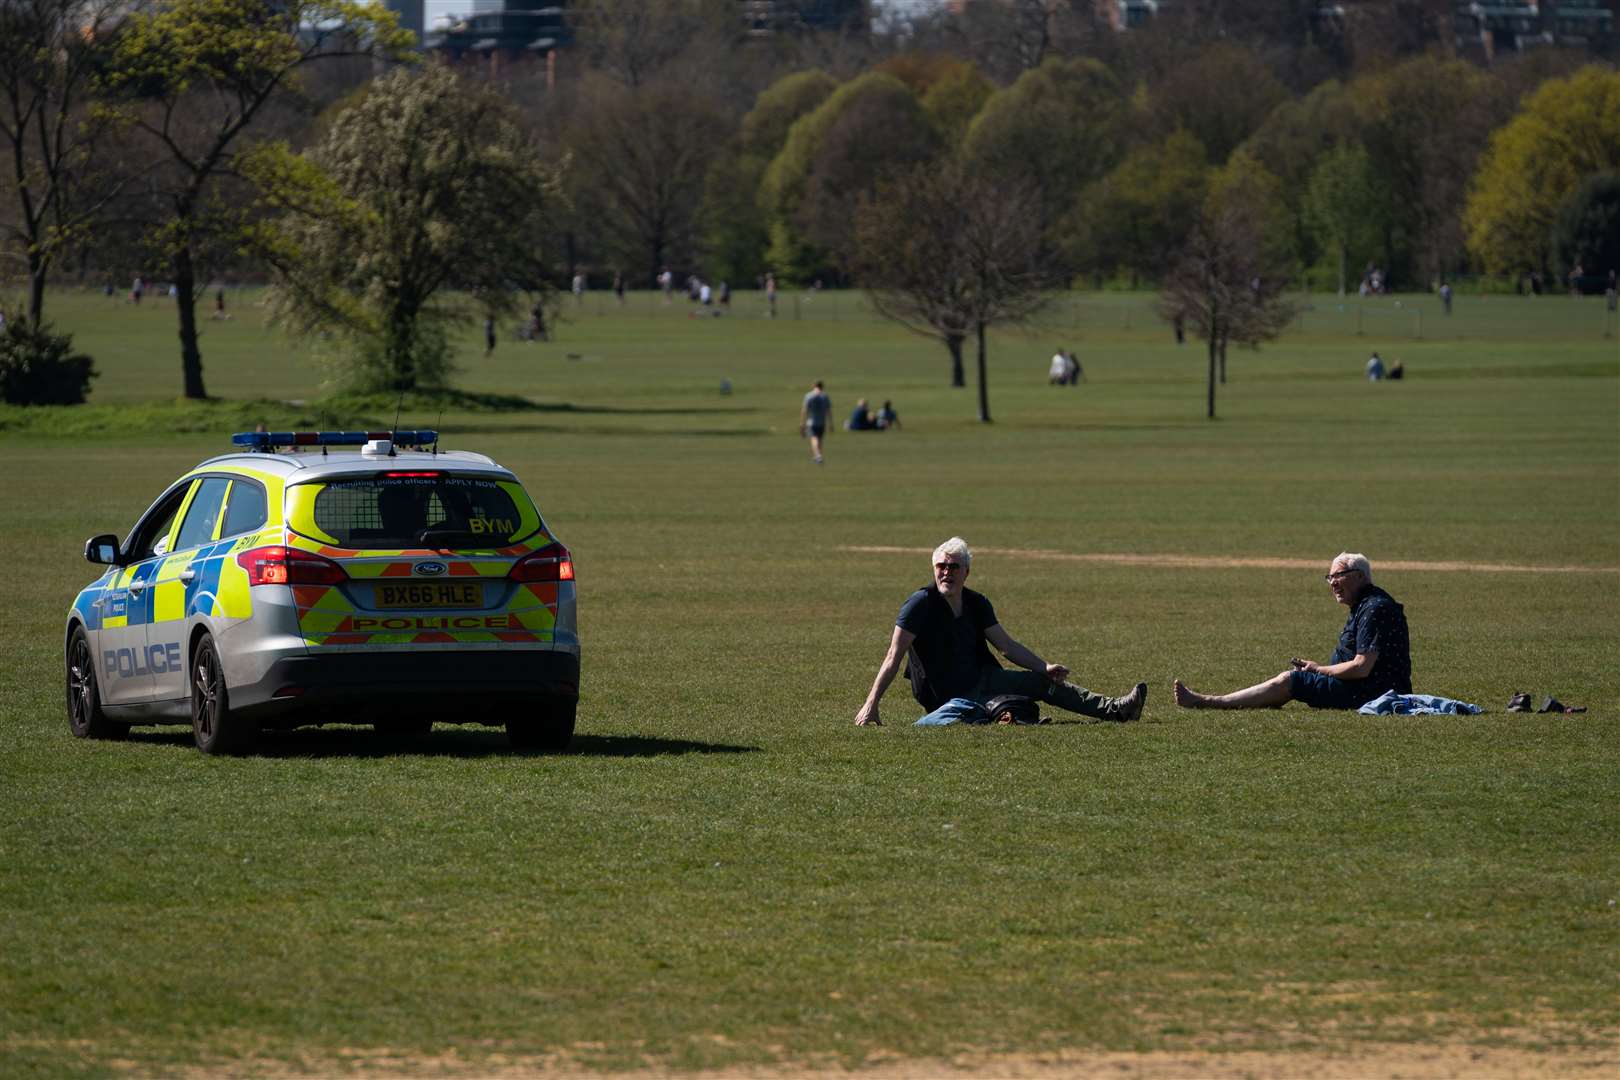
(947, 567)
(1337, 574)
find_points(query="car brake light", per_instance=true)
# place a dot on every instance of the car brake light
(280, 565)
(550, 563)
(413, 475)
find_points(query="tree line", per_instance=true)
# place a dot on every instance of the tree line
(959, 164)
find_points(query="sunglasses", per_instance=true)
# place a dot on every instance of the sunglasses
(1337, 574)
(947, 567)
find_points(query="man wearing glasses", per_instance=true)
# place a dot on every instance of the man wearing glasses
(941, 633)
(1372, 659)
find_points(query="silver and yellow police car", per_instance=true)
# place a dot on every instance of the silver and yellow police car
(329, 577)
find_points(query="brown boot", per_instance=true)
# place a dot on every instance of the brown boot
(1129, 707)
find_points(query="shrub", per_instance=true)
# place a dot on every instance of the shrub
(38, 367)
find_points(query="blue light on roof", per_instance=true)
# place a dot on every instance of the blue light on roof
(271, 440)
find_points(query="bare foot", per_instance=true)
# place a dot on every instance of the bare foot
(1187, 699)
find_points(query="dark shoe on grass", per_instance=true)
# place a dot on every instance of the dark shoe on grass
(1519, 703)
(1129, 707)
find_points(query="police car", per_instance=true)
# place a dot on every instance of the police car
(329, 577)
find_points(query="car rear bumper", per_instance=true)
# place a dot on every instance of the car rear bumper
(451, 686)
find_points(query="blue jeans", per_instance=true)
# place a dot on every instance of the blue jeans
(994, 682)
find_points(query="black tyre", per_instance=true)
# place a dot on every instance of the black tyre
(85, 716)
(550, 728)
(213, 726)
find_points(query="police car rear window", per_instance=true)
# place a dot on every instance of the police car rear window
(401, 512)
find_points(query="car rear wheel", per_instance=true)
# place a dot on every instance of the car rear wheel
(215, 728)
(85, 716)
(550, 727)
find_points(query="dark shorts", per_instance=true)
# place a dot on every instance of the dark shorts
(818, 430)
(1326, 692)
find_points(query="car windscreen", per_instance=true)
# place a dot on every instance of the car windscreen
(431, 510)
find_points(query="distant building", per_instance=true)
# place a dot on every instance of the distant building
(500, 32)
(1504, 26)
(412, 15)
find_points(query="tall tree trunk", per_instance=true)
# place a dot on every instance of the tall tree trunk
(185, 295)
(37, 269)
(954, 343)
(1212, 351)
(1223, 359)
(984, 388)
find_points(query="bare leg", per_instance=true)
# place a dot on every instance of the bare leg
(1272, 692)
(815, 448)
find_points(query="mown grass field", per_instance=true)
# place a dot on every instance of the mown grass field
(725, 872)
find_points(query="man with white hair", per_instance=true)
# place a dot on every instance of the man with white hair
(942, 634)
(1373, 657)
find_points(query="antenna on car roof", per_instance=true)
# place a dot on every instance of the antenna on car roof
(437, 426)
(397, 406)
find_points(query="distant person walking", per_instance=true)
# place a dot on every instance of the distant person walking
(770, 293)
(618, 286)
(1445, 296)
(579, 289)
(219, 305)
(489, 335)
(813, 416)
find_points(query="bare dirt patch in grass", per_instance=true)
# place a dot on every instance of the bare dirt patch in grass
(1372, 1062)
(1220, 562)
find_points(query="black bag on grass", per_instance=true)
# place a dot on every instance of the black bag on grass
(1013, 709)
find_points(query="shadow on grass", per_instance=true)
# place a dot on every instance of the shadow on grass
(356, 742)
(635, 430)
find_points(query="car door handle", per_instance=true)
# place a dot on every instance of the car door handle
(137, 586)
(187, 575)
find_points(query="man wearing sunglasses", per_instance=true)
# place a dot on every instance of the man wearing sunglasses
(1373, 657)
(943, 634)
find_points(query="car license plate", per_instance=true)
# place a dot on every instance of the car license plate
(451, 594)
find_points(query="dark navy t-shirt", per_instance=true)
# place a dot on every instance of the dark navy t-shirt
(950, 651)
(1377, 622)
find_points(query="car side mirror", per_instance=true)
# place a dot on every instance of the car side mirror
(102, 549)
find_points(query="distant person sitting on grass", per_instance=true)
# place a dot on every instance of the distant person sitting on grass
(861, 419)
(887, 418)
(941, 635)
(1372, 659)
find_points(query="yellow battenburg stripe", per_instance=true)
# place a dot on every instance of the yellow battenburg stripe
(301, 513)
(234, 599)
(169, 602)
(115, 622)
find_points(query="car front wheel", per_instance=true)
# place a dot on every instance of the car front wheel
(215, 728)
(549, 727)
(85, 716)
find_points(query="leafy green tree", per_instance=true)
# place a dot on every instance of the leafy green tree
(424, 185)
(1424, 123)
(833, 155)
(1221, 94)
(1136, 217)
(1566, 132)
(736, 229)
(195, 77)
(1586, 232)
(1060, 127)
(1342, 203)
(954, 99)
(54, 142)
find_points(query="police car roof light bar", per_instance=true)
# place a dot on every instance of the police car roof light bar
(266, 441)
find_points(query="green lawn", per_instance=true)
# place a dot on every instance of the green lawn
(725, 871)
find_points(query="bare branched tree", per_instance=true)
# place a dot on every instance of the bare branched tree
(946, 252)
(1228, 286)
(61, 182)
